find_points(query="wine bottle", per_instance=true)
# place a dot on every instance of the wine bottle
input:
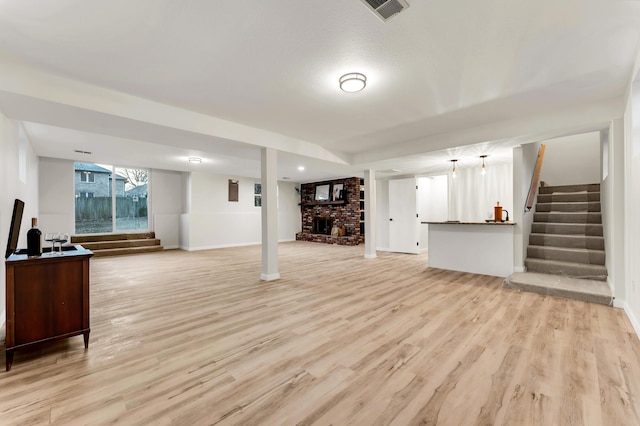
(34, 239)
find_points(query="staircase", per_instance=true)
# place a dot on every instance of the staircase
(119, 244)
(566, 255)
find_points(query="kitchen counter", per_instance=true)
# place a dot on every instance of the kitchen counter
(472, 247)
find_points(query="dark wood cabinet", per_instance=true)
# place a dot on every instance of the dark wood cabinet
(47, 298)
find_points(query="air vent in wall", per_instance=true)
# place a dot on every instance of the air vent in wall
(385, 9)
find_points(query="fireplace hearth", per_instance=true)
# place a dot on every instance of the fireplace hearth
(322, 225)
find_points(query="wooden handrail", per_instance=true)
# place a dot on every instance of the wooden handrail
(533, 188)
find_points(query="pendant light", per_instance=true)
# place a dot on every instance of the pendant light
(484, 168)
(453, 172)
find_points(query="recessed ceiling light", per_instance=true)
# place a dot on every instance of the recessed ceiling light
(195, 160)
(353, 82)
(301, 168)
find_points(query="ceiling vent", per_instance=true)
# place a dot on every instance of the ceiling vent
(385, 9)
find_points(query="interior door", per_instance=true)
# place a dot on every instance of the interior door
(404, 223)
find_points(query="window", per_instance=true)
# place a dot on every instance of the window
(257, 194)
(87, 177)
(110, 199)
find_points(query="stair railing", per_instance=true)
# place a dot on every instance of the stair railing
(533, 188)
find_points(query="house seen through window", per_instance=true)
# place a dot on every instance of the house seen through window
(110, 199)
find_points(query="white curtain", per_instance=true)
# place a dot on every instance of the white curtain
(472, 196)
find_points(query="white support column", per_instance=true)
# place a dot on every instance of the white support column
(370, 214)
(269, 215)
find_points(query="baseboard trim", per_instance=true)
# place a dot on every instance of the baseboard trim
(370, 256)
(518, 269)
(632, 318)
(174, 247)
(423, 250)
(269, 277)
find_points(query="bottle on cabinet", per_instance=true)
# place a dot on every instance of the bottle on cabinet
(34, 239)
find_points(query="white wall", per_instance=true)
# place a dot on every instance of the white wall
(572, 160)
(382, 215)
(166, 206)
(631, 201)
(212, 221)
(612, 203)
(56, 195)
(289, 216)
(432, 204)
(524, 163)
(18, 179)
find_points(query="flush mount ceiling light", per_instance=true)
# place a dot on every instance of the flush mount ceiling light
(301, 168)
(195, 160)
(453, 172)
(484, 168)
(353, 82)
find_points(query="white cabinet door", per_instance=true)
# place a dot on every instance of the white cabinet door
(403, 216)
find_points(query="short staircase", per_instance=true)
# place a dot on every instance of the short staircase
(119, 244)
(566, 255)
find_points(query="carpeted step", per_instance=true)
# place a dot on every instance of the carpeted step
(575, 270)
(80, 239)
(126, 250)
(589, 187)
(590, 229)
(568, 207)
(569, 241)
(563, 254)
(99, 245)
(568, 217)
(554, 285)
(569, 197)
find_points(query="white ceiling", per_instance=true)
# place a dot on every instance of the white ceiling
(151, 82)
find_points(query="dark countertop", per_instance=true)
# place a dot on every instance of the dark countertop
(74, 250)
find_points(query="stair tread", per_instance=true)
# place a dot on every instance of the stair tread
(132, 248)
(567, 249)
(568, 202)
(577, 188)
(569, 269)
(567, 235)
(86, 238)
(568, 224)
(593, 291)
(126, 250)
(561, 262)
(569, 212)
(121, 241)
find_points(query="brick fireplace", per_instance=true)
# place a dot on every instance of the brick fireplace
(342, 211)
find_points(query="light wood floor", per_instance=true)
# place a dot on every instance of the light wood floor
(196, 338)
